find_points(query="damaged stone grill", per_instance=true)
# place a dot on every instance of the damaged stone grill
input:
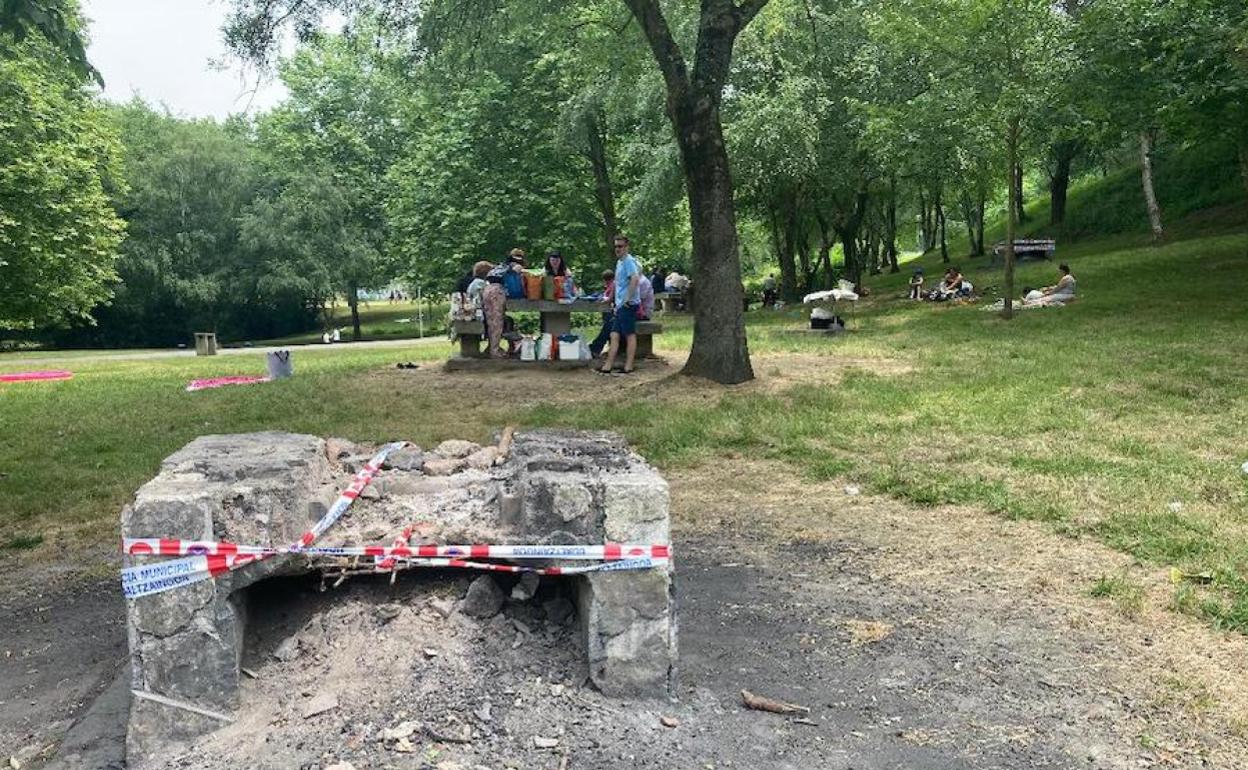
(554, 488)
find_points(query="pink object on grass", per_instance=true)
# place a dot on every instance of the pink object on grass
(53, 374)
(220, 382)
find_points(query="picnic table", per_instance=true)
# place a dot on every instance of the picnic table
(670, 301)
(556, 320)
(1025, 248)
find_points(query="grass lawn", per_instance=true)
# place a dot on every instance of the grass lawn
(379, 320)
(1119, 418)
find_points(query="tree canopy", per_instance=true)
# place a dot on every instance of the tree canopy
(822, 137)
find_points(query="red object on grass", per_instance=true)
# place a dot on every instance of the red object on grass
(218, 382)
(53, 374)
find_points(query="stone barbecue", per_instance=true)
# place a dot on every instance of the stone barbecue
(546, 487)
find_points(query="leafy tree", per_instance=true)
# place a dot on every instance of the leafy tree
(484, 169)
(1208, 51)
(695, 91)
(187, 183)
(58, 161)
(327, 151)
(183, 267)
(58, 23)
(1125, 43)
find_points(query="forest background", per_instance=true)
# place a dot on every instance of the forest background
(417, 140)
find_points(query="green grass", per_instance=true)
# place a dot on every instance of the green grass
(1128, 596)
(1095, 417)
(1198, 188)
(379, 320)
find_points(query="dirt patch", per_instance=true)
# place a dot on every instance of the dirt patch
(1177, 682)
(62, 642)
(918, 637)
(868, 631)
(658, 379)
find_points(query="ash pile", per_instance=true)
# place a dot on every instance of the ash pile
(323, 658)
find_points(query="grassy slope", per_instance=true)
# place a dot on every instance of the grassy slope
(1198, 188)
(1097, 417)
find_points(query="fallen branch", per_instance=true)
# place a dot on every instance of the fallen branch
(759, 703)
(181, 704)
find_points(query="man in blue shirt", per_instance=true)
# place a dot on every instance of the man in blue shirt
(627, 300)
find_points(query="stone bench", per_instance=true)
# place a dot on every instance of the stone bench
(554, 488)
(471, 334)
(645, 337)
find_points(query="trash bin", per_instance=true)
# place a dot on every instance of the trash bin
(205, 343)
(280, 364)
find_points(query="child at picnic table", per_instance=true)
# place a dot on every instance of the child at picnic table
(604, 335)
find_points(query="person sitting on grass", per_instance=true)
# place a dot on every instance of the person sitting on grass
(916, 284)
(1058, 294)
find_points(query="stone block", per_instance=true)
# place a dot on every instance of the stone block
(555, 487)
(629, 624)
(186, 643)
(636, 507)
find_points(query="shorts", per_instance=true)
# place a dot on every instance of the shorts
(625, 322)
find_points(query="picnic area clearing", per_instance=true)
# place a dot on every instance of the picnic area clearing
(1092, 420)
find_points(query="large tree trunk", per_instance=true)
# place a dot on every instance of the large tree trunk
(940, 224)
(784, 253)
(353, 302)
(719, 350)
(1150, 196)
(1059, 183)
(1017, 182)
(890, 228)
(1011, 220)
(597, 155)
(1243, 164)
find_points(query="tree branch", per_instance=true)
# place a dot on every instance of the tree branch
(747, 11)
(667, 53)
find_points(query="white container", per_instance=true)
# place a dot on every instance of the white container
(570, 351)
(543, 347)
(280, 364)
(528, 349)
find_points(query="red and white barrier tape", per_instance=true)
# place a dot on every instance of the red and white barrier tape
(204, 559)
(608, 552)
(206, 563)
(606, 566)
(403, 539)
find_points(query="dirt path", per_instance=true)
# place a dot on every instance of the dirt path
(919, 638)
